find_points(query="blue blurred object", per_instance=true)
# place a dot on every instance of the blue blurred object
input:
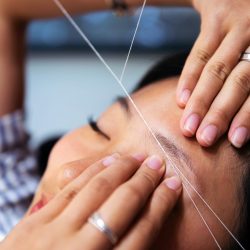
(160, 28)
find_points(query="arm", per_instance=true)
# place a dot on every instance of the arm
(30, 9)
(214, 86)
(14, 15)
(11, 65)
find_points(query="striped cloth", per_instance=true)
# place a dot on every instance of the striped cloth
(18, 171)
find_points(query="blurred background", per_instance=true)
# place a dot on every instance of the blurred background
(66, 83)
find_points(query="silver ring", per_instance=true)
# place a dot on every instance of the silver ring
(245, 57)
(96, 220)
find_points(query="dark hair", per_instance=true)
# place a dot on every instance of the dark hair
(172, 66)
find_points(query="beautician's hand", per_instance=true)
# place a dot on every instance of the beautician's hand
(121, 189)
(215, 85)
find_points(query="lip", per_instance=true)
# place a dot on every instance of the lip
(39, 205)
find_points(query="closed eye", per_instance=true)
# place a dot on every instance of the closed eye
(94, 126)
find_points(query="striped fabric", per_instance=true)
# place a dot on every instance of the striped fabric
(18, 171)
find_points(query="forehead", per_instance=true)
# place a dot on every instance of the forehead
(157, 102)
(217, 174)
(158, 106)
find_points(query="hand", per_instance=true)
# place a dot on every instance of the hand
(119, 189)
(214, 85)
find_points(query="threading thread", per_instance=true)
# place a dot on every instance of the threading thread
(132, 42)
(175, 168)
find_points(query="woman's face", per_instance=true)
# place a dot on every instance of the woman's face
(212, 172)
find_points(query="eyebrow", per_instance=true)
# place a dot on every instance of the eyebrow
(168, 145)
(124, 104)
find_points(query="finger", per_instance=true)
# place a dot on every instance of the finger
(211, 82)
(72, 170)
(67, 173)
(239, 133)
(233, 94)
(149, 225)
(98, 190)
(126, 202)
(59, 202)
(204, 47)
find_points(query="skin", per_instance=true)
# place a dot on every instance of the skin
(183, 229)
(14, 16)
(63, 222)
(214, 86)
(211, 79)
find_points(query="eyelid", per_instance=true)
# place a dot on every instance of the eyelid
(94, 126)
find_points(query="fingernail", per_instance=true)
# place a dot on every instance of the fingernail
(154, 162)
(173, 183)
(110, 159)
(192, 123)
(185, 95)
(209, 134)
(139, 156)
(239, 137)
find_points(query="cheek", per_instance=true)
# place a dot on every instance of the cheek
(185, 230)
(71, 147)
(68, 149)
(70, 156)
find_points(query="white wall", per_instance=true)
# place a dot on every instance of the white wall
(63, 89)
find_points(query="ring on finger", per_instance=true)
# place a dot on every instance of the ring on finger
(96, 220)
(246, 55)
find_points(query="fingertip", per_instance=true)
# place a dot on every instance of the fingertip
(139, 156)
(190, 124)
(239, 137)
(183, 98)
(109, 160)
(208, 135)
(174, 183)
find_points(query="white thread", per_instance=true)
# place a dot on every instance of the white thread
(132, 42)
(70, 19)
(202, 218)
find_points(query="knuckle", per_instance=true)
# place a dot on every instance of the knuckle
(244, 23)
(133, 192)
(149, 225)
(220, 116)
(70, 194)
(243, 82)
(149, 178)
(102, 184)
(199, 103)
(163, 197)
(203, 56)
(219, 15)
(218, 70)
(243, 117)
(127, 161)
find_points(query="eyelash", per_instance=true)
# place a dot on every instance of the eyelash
(94, 126)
